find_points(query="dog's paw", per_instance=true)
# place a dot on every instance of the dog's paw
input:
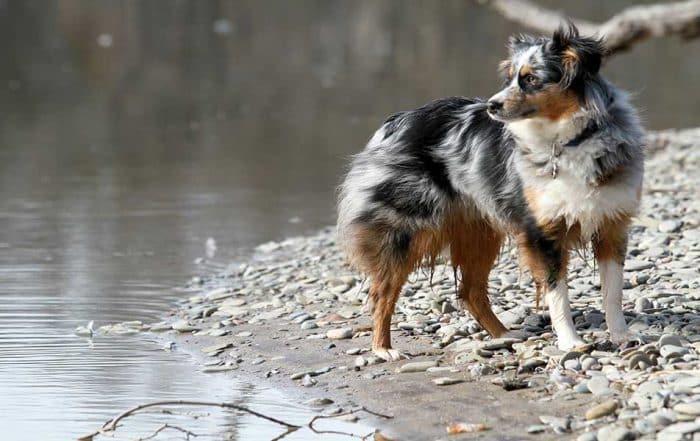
(389, 355)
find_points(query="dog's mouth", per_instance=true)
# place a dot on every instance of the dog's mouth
(500, 115)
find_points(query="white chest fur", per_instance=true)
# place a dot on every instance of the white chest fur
(572, 195)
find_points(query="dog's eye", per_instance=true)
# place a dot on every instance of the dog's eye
(530, 79)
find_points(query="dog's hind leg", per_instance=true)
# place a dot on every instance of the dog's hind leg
(387, 255)
(384, 293)
(474, 248)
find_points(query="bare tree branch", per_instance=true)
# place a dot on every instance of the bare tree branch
(620, 32)
(168, 426)
(350, 412)
(110, 426)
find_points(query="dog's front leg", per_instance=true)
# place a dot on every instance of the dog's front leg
(560, 312)
(609, 247)
(548, 261)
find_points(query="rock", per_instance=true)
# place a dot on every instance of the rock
(572, 365)
(360, 361)
(637, 265)
(642, 304)
(537, 428)
(340, 334)
(601, 410)
(309, 325)
(679, 431)
(307, 381)
(589, 363)
(670, 226)
(692, 408)
(417, 366)
(582, 388)
(217, 347)
(672, 351)
(670, 339)
(598, 385)
(639, 361)
(531, 364)
(318, 402)
(614, 432)
(299, 375)
(184, 326)
(499, 343)
(215, 369)
(587, 436)
(446, 381)
(558, 424)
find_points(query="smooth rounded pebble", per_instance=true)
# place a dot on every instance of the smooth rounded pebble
(601, 410)
(446, 381)
(339, 334)
(417, 366)
(688, 408)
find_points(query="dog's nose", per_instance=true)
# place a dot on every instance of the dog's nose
(492, 105)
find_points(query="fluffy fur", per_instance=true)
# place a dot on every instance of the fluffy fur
(554, 160)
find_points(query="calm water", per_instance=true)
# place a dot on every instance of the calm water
(130, 132)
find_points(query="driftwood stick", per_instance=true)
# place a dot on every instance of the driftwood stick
(623, 30)
(168, 426)
(111, 425)
(349, 412)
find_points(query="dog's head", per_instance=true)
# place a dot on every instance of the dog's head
(546, 77)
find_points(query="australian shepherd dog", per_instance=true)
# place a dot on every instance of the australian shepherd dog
(554, 160)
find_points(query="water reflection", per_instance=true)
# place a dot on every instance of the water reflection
(133, 131)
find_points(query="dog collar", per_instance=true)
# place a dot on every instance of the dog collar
(558, 147)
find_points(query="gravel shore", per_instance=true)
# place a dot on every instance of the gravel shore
(292, 317)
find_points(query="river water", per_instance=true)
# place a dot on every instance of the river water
(131, 132)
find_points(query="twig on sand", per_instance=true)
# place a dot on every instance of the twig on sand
(349, 412)
(109, 427)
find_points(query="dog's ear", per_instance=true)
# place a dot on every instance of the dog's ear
(579, 55)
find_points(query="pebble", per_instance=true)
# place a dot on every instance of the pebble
(307, 381)
(598, 385)
(309, 325)
(537, 428)
(417, 366)
(601, 410)
(318, 402)
(340, 334)
(670, 340)
(670, 226)
(679, 431)
(688, 408)
(672, 351)
(184, 326)
(446, 381)
(614, 432)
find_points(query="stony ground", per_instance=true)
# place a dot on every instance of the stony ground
(293, 317)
